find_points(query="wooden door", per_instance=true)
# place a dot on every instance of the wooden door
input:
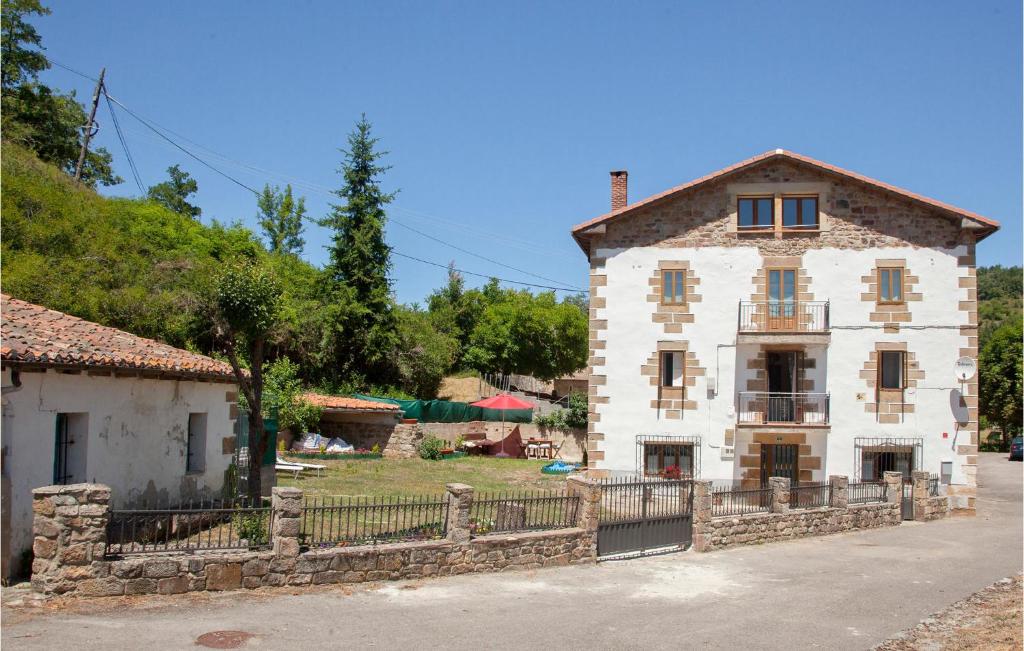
(781, 294)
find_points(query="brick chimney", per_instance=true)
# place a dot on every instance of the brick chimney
(619, 179)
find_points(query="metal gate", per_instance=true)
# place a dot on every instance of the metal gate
(645, 514)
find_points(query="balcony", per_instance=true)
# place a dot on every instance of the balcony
(761, 322)
(764, 408)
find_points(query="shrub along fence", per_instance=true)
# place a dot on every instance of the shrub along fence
(83, 547)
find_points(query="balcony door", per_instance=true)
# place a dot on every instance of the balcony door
(781, 370)
(782, 312)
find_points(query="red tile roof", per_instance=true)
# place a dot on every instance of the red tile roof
(33, 335)
(344, 403)
(991, 224)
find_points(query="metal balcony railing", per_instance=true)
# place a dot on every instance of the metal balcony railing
(762, 407)
(782, 316)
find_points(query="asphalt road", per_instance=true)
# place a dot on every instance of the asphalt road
(847, 591)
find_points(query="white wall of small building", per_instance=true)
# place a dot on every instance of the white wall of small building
(136, 438)
(726, 275)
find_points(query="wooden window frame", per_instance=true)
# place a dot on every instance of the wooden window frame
(756, 227)
(672, 275)
(902, 285)
(682, 369)
(686, 472)
(800, 226)
(902, 369)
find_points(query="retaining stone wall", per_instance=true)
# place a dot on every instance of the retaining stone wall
(71, 533)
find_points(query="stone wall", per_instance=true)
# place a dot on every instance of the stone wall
(397, 440)
(927, 507)
(71, 534)
(782, 523)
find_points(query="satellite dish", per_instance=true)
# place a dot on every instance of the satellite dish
(965, 369)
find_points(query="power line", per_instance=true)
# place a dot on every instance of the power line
(159, 133)
(124, 144)
(470, 273)
(70, 69)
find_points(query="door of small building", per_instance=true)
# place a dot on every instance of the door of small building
(780, 460)
(70, 447)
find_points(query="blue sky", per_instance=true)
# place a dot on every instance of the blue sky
(503, 119)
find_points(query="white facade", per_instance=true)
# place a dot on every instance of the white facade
(725, 279)
(129, 433)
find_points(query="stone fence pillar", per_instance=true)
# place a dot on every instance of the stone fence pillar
(893, 486)
(780, 494)
(70, 528)
(702, 503)
(286, 504)
(840, 491)
(589, 509)
(460, 501)
(919, 492)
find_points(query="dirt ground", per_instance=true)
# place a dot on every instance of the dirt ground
(989, 620)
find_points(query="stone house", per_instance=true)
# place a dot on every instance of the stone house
(783, 317)
(87, 403)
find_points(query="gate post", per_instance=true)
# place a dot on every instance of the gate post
(919, 493)
(893, 486)
(70, 536)
(460, 501)
(286, 504)
(589, 493)
(701, 515)
(839, 493)
(780, 494)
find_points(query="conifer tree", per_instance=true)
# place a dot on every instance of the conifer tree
(280, 218)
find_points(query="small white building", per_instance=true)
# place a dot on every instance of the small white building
(783, 317)
(87, 403)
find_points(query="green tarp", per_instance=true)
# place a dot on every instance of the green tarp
(446, 411)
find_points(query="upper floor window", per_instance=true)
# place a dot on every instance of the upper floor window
(890, 369)
(673, 287)
(756, 212)
(672, 369)
(890, 285)
(799, 212)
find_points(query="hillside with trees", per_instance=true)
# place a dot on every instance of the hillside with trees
(1000, 331)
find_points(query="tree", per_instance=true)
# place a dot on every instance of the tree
(425, 353)
(361, 329)
(280, 217)
(33, 115)
(1000, 379)
(283, 397)
(247, 305)
(173, 194)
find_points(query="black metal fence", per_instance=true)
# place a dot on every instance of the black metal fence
(345, 520)
(933, 486)
(522, 511)
(207, 524)
(810, 496)
(865, 492)
(740, 501)
(762, 407)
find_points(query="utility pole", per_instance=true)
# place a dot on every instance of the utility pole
(89, 133)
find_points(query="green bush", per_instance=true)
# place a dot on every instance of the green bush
(252, 527)
(430, 448)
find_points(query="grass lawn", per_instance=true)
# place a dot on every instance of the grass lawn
(373, 477)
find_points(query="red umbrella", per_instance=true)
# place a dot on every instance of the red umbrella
(502, 402)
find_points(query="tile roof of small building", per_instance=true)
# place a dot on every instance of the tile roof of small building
(32, 335)
(988, 225)
(344, 403)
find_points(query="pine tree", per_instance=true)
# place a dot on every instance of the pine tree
(280, 218)
(363, 332)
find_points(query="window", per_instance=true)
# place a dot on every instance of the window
(672, 369)
(659, 457)
(756, 212)
(673, 287)
(890, 369)
(800, 212)
(890, 285)
(195, 455)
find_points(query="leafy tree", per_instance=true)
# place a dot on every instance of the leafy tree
(283, 394)
(33, 115)
(425, 353)
(530, 335)
(247, 307)
(280, 217)
(174, 193)
(1000, 379)
(360, 329)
